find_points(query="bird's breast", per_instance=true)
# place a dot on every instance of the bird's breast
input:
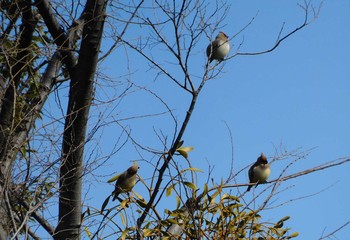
(129, 183)
(262, 173)
(223, 49)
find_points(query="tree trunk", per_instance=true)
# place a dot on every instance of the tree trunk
(8, 131)
(80, 98)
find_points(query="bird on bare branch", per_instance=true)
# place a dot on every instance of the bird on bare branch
(219, 48)
(259, 172)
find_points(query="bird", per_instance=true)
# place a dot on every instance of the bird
(218, 49)
(259, 172)
(126, 181)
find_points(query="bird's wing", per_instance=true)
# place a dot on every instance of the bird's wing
(121, 179)
(210, 49)
(251, 171)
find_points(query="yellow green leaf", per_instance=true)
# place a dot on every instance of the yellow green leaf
(147, 232)
(138, 195)
(172, 221)
(87, 231)
(191, 185)
(284, 219)
(169, 190)
(294, 234)
(115, 178)
(180, 144)
(178, 201)
(124, 234)
(191, 169)
(124, 204)
(212, 201)
(184, 151)
(167, 211)
(205, 190)
(225, 196)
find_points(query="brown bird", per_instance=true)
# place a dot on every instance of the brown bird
(126, 181)
(259, 172)
(218, 49)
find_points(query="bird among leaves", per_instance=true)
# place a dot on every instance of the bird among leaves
(126, 181)
(219, 48)
(259, 172)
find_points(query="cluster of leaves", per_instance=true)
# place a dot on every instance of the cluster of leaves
(213, 214)
(226, 218)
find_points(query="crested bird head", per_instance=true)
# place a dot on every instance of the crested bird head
(222, 35)
(133, 169)
(262, 159)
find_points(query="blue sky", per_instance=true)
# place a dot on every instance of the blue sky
(295, 97)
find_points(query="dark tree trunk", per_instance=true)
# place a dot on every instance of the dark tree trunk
(8, 142)
(80, 98)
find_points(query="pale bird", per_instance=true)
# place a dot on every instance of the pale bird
(259, 172)
(126, 181)
(218, 49)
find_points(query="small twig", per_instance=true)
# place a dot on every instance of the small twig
(336, 230)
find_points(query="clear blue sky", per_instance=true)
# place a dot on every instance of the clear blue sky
(297, 96)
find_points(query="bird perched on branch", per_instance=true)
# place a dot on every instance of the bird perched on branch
(218, 49)
(126, 181)
(259, 172)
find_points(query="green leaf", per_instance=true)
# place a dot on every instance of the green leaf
(212, 197)
(184, 151)
(294, 234)
(178, 201)
(205, 191)
(167, 211)
(225, 196)
(192, 169)
(115, 178)
(140, 200)
(23, 151)
(138, 196)
(284, 219)
(172, 221)
(235, 198)
(87, 231)
(125, 203)
(124, 234)
(169, 190)
(280, 223)
(147, 232)
(180, 144)
(191, 185)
